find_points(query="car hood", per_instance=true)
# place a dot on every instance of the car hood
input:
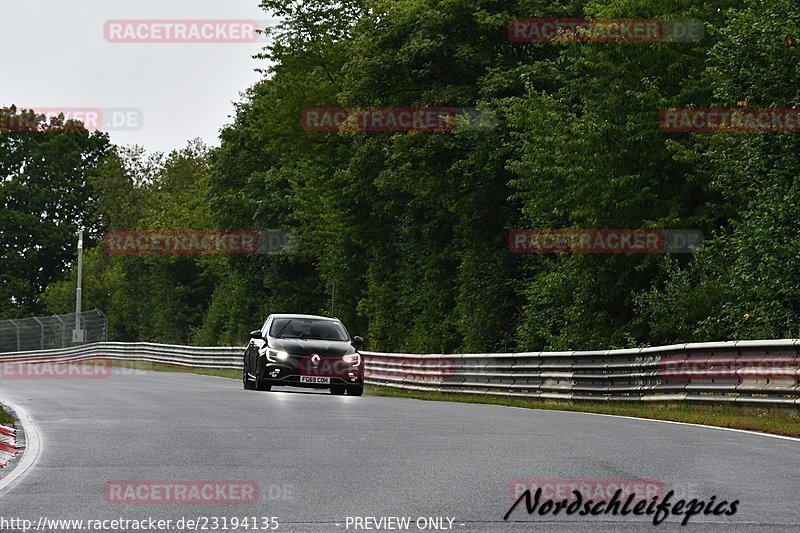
(312, 346)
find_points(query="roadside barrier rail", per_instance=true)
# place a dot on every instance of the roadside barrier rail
(765, 372)
(190, 356)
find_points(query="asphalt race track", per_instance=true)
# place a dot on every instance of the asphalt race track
(318, 459)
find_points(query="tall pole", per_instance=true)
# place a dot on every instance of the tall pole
(80, 273)
(78, 334)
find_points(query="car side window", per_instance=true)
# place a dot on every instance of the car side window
(265, 328)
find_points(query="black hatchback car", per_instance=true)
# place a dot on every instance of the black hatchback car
(304, 351)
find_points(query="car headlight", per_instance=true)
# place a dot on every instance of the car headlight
(277, 355)
(353, 359)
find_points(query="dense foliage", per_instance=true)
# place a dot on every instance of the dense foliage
(410, 228)
(46, 169)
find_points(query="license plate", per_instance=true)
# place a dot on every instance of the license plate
(315, 379)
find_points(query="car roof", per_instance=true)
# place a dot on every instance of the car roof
(307, 316)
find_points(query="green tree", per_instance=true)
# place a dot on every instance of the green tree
(46, 194)
(744, 284)
(593, 156)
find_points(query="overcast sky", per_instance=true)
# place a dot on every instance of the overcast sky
(55, 55)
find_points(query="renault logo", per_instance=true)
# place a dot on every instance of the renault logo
(315, 359)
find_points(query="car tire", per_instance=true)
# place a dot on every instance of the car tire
(248, 385)
(337, 390)
(355, 390)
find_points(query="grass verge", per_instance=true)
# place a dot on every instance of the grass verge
(164, 367)
(775, 420)
(6, 418)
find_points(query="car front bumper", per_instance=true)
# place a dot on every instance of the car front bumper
(291, 374)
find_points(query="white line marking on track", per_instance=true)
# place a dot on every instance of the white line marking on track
(784, 437)
(757, 433)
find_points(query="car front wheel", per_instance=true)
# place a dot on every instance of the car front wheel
(248, 385)
(355, 390)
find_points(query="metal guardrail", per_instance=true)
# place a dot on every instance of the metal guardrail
(741, 371)
(191, 356)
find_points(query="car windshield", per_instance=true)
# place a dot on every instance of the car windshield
(308, 328)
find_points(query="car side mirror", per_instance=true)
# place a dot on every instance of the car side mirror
(256, 334)
(357, 340)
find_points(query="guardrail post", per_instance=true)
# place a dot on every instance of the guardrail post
(63, 329)
(19, 344)
(41, 336)
(105, 325)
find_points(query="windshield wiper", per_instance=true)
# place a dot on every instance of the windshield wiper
(278, 336)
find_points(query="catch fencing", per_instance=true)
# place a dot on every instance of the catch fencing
(765, 372)
(52, 332)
